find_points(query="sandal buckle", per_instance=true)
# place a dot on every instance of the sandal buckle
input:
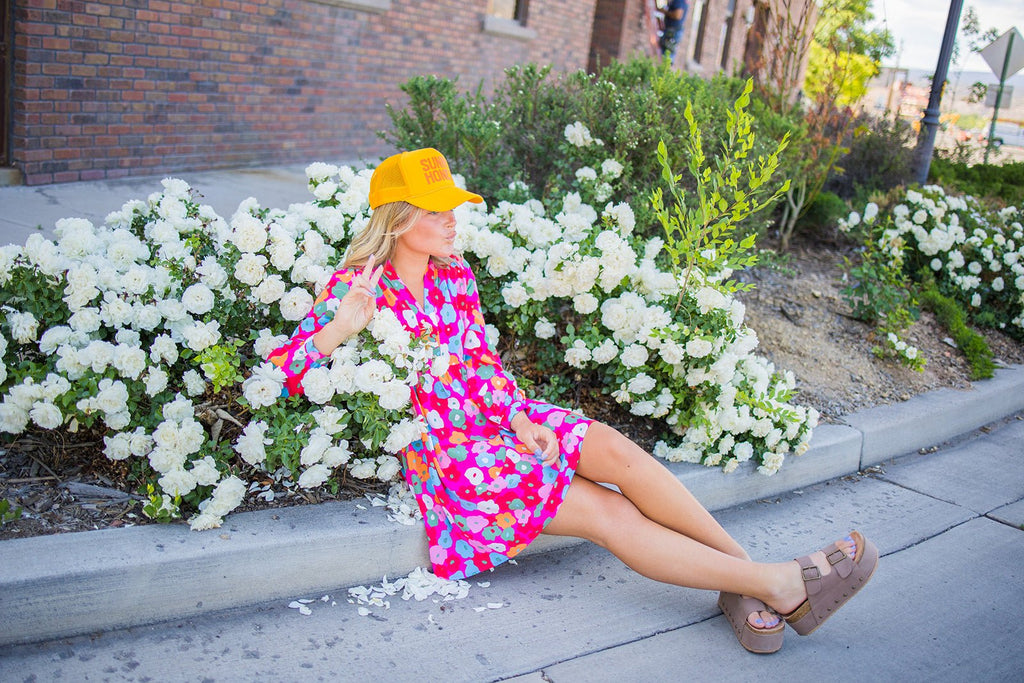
(811, 573)
(836, 556)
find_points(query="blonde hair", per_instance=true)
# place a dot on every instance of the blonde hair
(387, 223)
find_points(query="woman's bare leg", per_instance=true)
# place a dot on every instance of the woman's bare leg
(612, 521)
(608, 456)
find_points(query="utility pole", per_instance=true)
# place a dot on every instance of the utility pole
(930, 120)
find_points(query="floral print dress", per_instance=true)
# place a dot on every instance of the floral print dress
(484, 496)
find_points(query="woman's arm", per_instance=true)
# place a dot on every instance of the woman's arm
(341, 311)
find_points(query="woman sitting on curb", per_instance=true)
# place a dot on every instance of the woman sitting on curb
(494, 469)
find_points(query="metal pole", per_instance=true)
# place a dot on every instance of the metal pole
(930, 120)
(999, 96)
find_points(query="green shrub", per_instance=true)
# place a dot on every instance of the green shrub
(1005, 182)
(520, 133)
(953, 318)
(880, 156)
(825, 210)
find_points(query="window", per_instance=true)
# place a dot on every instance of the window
(513, 10)
(726, 40)
(507, 18)
(700, 20)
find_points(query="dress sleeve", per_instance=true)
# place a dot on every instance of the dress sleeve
(489, 386)
(299, 354)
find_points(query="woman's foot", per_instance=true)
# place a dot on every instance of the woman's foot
(820, 583)
(758, 629)
(795, 592)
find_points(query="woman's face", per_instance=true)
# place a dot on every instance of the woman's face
(433, 234)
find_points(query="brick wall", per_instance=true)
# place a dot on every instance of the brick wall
(110, 88)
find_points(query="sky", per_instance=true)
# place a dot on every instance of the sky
(919, 24)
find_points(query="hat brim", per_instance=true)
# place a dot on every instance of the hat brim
(444, 199)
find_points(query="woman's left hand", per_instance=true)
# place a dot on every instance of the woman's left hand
(539, 438)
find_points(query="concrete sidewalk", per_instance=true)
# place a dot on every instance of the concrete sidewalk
(68, 584)
(944, 603)
(25, 210)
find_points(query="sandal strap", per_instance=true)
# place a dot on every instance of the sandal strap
(841, 562)
(810, 573)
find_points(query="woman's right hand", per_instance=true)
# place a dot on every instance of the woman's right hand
(355, 310)
(358, 306)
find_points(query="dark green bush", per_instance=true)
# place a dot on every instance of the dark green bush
(825, 210)
(880, 157)
(519, 134)
(1005, 182)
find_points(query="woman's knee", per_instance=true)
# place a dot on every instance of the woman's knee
(608, 455)
(595, 513)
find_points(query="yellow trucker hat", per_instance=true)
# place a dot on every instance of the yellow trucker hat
(420, 177)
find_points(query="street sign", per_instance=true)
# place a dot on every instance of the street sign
(996, 54)
(1005, 101)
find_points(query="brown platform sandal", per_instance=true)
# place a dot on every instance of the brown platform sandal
(826, 594)
(736, 609)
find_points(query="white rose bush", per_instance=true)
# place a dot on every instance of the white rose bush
(149, 334)
(974, 254)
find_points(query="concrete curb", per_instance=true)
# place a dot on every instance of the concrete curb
(70, 584)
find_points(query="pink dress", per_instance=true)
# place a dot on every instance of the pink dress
(484, 496)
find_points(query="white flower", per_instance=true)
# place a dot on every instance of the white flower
(402, 434)
(641, 383)
(578, 354)
(199, 335)
(24, 327)
(586, 174)
(611, 169)
(117, 447)
(198, 299)
(743, 451)
(213, 274)
(248, 233)
(585, 303)
(295, 304)
(251, 268)
(317, 385)
(544, 329)
(163, 348)
(394, 395)
(177, 482)
(46, 415)
(270, 290)
(264, 386)
(634, 356)
(194, 383)
(363, 469)
(314, 476)
(578, 135)
(268, 342)
(698, 348)
(317, 443)
(226, 497)
(605, 352)
(388, 467)
(251, 444)
(336, 455)
(870, 212)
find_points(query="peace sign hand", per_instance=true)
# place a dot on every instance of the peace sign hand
(359, 304)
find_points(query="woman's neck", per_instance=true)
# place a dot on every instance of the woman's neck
(411, 268)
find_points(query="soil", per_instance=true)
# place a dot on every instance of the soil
(796, 309)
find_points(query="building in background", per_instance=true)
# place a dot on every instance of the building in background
(109, 88)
